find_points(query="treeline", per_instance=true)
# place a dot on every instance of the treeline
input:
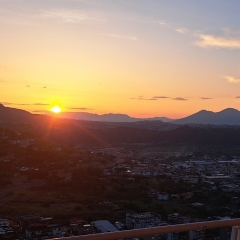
(72, 132)
(183, 135)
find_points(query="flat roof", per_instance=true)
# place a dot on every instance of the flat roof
(143, 215)
(104, 226)
(28, 217)
(219, 176)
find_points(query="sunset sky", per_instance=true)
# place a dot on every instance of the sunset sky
(143, 58)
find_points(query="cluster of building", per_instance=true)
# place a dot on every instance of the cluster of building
(38, 228)
(149, 219)
(217, 174)
(23, 143)
(164, 196)
(6, 229)
(35, 227)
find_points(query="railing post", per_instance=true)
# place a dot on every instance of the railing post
(235, 234)
(238, 233)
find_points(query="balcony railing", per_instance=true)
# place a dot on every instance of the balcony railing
(234, 223)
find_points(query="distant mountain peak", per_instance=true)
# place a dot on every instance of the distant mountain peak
(203, 111)
(229, 110)
(228, 116)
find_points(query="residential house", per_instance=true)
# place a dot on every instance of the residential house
(142, 220)
(163, 196)
(6, 231)
(176, 218)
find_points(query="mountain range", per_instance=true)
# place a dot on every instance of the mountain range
(71, 131)
(110, 117)
(229, 116)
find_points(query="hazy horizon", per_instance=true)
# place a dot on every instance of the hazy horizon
(123, 117)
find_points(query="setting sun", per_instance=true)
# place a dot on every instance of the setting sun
(56, 109)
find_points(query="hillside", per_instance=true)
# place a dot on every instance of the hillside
(8, 114)
(73, 132)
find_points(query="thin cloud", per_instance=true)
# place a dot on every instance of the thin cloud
(162, 23)
(71, 16)
(25, 104)
(6, 103)
(163, 97)
(181, 30)
(28, 86)
(41, 111)
(180, 99)
(232, 79)
(17, 104)
(145, 99)
(231, 31)
(206, 41)
(205, 98)
(41, 104)
(237, 96)
(154, 98)
(151, 99)
(132, 38)
(80, 108)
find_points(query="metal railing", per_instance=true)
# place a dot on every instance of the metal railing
(164, 230)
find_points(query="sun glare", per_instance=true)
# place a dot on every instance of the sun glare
(56, 109)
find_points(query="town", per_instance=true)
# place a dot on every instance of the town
(48, 190)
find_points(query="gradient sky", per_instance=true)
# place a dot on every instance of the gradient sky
(144, 58)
